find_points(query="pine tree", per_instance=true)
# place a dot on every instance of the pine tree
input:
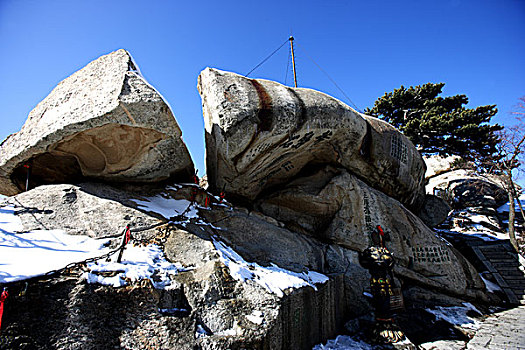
(437, 124)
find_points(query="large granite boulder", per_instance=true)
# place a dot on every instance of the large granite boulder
(104, 121)
(260, 134)
(434, 210)
(475, 199)
(89, 209)
(464, 188)
(233, 291)
(338, 208)
(437, 165)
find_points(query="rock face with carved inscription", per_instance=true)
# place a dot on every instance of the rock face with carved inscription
(104, 121)
(335, 206)
(261, 134)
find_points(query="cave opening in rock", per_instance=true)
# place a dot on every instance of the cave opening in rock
(48, 168)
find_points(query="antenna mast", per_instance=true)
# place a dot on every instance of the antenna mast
(293, 61)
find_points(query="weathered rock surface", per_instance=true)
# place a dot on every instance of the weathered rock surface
(461, 188)
(337, 207)
(260, 134)
(228, 312)
(104, 121)
(88, 208)
(434, 210)
(437, 165)
(221, 311)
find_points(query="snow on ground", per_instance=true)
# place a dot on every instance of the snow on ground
(138, 263)
(480, 219)
(256, 317)
(482, 232)
(273, 278)
(505, 208)
(34, 253)
(344, 342)
(457, 315)
(472, 224)
(479, 231)
(491, 286)
(167, 207)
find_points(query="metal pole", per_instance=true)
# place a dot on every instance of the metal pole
(28, 167)
(293, 62)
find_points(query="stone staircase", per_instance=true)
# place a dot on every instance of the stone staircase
(503, 263)
(497, 258)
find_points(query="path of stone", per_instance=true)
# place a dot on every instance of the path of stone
(504, 330)
(501, 331)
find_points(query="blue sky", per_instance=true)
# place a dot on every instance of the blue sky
(367, 47)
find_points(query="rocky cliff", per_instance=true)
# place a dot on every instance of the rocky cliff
(265, 258)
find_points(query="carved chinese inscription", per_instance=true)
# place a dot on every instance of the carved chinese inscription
(430, 254)
(296, 141)
(368, 217)
(399, 149)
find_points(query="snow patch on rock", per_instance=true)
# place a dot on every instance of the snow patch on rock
(24, 255)
(272, 278)
(344, 342)
(138, 263)
(505, 208)
(166, 206)
(457, 315)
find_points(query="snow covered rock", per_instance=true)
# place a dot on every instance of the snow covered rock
(221, 287)
(104, 121)
(24, 255)
(260, 134)
(463, 188)
(437, 165)
(91, 209)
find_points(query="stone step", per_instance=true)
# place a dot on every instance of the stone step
(499, 254)
(495, 248)
(502, 259)
(512, 277)
(516, 283)
(512, 274)
(496, 254)
(504, 266)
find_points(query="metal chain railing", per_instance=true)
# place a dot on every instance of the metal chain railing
(164, 230)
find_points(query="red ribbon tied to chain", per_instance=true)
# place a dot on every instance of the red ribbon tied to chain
(3, 297)
(128, 235)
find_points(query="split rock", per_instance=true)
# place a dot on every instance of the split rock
(260, 134)
(104, 121)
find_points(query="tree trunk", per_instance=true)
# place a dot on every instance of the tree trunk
(512, 212)
(519, 202)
